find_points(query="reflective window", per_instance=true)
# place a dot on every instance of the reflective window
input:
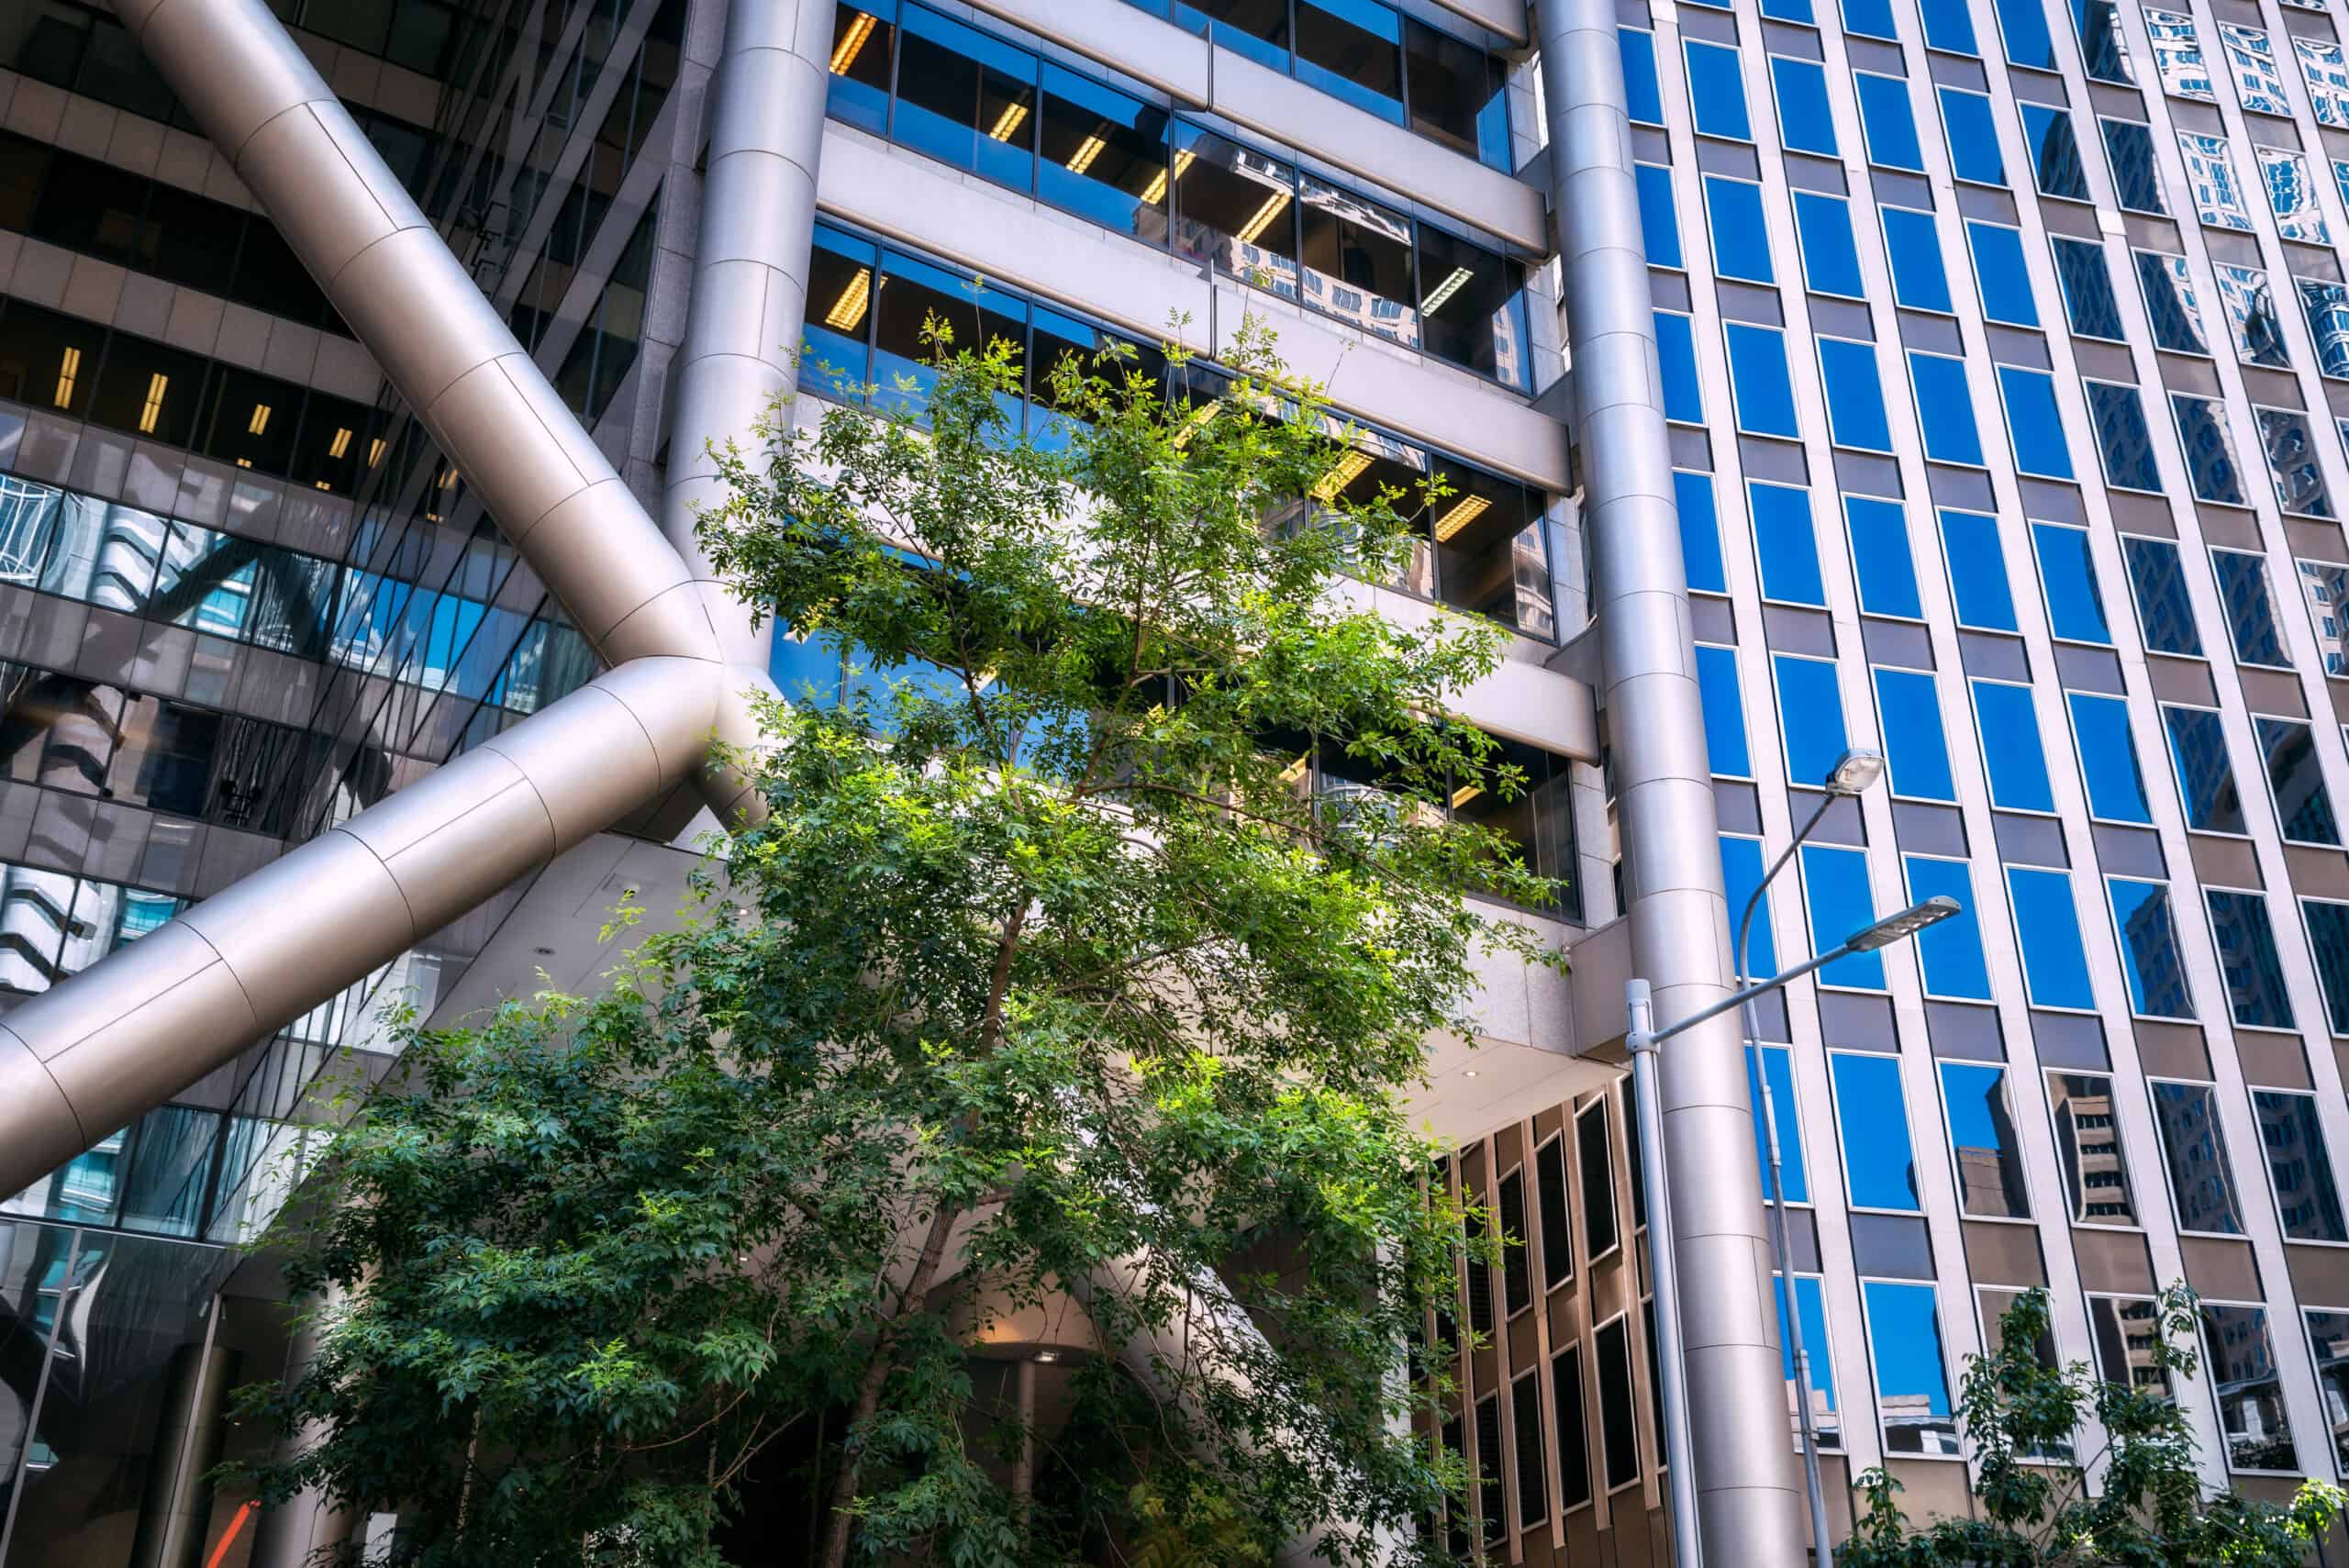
(1911, 1378)
(1983, 1140)
(1104, 155)
(1594, 1158)
(2123, 1328)
(2211, 181)
(2170, 303)
(2034, 423)
(1977, 578)
(2194, 1152)
(1944, 408)
(1645, 98)
(2198, 746)
(1999, 270)
(1914, 248)
(1778, 1062)
(2164, 612)
(2240, 1359)
(1724, 711)
(1618, 1428)
(2023, 25)
(2306, 1199)
(2177, 56)
(1573, 1427)
(2328, 927)
(1836, 897)
(1352, 49)
(2011, 745)
(1459, 95)
(2326, 75)
(1880, 560)
(2129, 147)
(2105, 50)
(1684, 399)
(1701, 534)
(1472, 307)
(1717, 91)
(1811, 709)
(2149, 953)
(1517, 1276)
(2108, 758)
(1916, 754)
(2088, 1142)
(2291, 195)
(2329, 1342)
(2251, 609)
(1785, 543)
(1256, 28)
(2247, 956)
(2326, 305)
(1854, 394)
(2123, 442)
(2047, 930)
(2296, 781)
(2250, 309)
(1831, 261)
(2210, 449)
(1872, 1119)
(2067, 571)
(2251, 60)
(2325, 588)
(1869, 19)
(1825, 1420)
(1659, 220)
(1741, 874)
(965, 98)
(1741, 239)
(1235, 210)
(2088, 302)
(1973, 133)
(1948, 25)
(1789, 11)
(1557, 1231)
(2054, 148)
(1356, 264)
(1887, 122)
(1758, 380)
(1805, 123)
(2289, 446)
(841, 272)
(1949, 951)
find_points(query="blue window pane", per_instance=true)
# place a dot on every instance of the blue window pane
(2108, 758)
(1777, 1061)
(1977, 576)
(1825, 1419)
(1811, 709)
(2053, 149)
(1132, 132)
(2328, 925)
(1701, 534)
(1951, 951)
(1805, 123)
(1758, 380)
(2104, 51)
(806, 669)
(836, 337)
(1741, 874)
(2023, 25)
(1871, 1119)
(1717, 91)
(1854, 396)
(2149, 955)
(1786, 544)
(2251, 608)
(1659, 221)
(1741, 239)
(2036, 428)
(1915, 751)
(2296, 781)
(1888, 123)
(2047, 928)
(2247, 957)
(1724, 711)
(1973, 137)
(2123, 440)
(2075, 607)
(1789, 11)
(1869, 19)
(2326, 305)
(1914, 248)
(1880, 558)
(1677, 351)
(2164, 613)
(2089, 304)
(1835, 893)
(2171, 307)
(2209, 449)
(1643, 97)
(2004, 278)
(2205, 780)
(2010, 748)
(954, 81)
(1945, 408)
(1948, 25)
(1830, 260)
(1982, 1135)
(2129, 147)
(1911, 1381)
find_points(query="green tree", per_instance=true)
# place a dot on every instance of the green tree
(1044, 977)
(2027, 1420)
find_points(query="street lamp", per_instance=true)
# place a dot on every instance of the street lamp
(1854, 772)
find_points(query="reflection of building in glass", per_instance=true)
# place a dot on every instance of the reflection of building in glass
(1911, 1425)
(2088, 1143)
(2242, 1365)
(2329, 1341)
(2126, 1331)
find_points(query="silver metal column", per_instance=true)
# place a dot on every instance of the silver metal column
(749, 306)
(187, 1445)
(1747, 1491)
(302, 1530)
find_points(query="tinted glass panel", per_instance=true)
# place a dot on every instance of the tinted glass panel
(1983, 1140)
(2199, 751)
(1835, 890)
(2328, 925)
(2023, 27)
(2301, 1171)
(2066, 569)
(2195, 1152)
(1871, 1117)
(1914, 249)
(2010, 746)
(2296, 781)
(1950, 951)
(1945, 408)
(1700, 535)
(1786, 544)
(1717, 91)
(1352, 49)
(1888, 121)
(1879, 535)
(1599, 1234)
(1357, 262)
(2088, 302)
(1812, 714)
(1724, 711)
(2164, 613)
(2251, 608)
(2108, 758)
(2149, 955)
(1805, 123)
(1977, 577)
(1741, 239)
(1758, 378)
(1915, 751)
(1973, 137)
(1911, 1380)
(1558, 1237)
(1741, 875)
(1998, 268)
(2247, 956)
(1948, 27)
(1777, 1061)
(965, 98)
(1641, 95)
(2326, 305)
(1104, 155)
(2088, 1142)
(2053, 149)
(2124, 443)
(2209, 449)
(1854, 394)
(2034, 422)
(1676, 350)
(1459, 95)
(2290, 447)
(2129, 147)
(1618, 1434)
(2250, 309)
(1659, 223)
(2241, 1360)
(1573, 1429)
(1831, 261)
(2170, 303)
(2047, 926)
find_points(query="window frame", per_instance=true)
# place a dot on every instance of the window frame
(1631, 1388)
(1566, 1211)
(1943, 93)
(2006, 1070)
(2087, 789)
(1875, 1375)
(1706, 182)
(1868, 141)
(2103, 458)
(1974, 683)
(1779, 105)
(1836, 435)
(1688, 47)
(2292, 1026)
(2047, 1076)
(1607, 1130)
(1842, 1155)
(1568, 1502)
(2024, 948)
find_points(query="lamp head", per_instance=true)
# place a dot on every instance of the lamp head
(1904, 925)
(1858, 768)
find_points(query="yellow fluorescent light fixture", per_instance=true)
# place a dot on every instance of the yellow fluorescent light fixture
(374, 452)
(852, 42)
(69, 369)
(1200, 419)
(847, 313)
(341, 442)
(1087, 152)
(259, 423)
(1296, 770)
(1444, 290)
(1459, 514)
(152, 409)
(1156, 192)
(447, 478)
(1263, 218)
(1465, 794)
(1008, 121)
(1348, 470)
